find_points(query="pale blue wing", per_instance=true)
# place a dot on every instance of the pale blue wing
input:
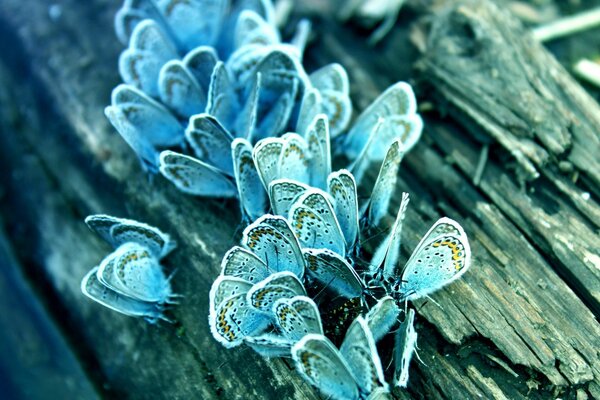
(241, 263)
(404, 348)
(131, 14)
(310, 107)
(331, 77)
(319, 146)
(282, 193)
(222, 99)
(342, 189)
(273, 247)
(211, 142)
(398, 99)
(234, 319)
(246, 119)
(253, 198)
(281, 285)
(194, 22)
(385, 186)
(297, 316)
(179, 90)
(360, 352)
(194, 176)
(333, 272)
(225, 287)
(92, 288)
(149, 49)
(242, 64)
(382, 317)
(314, 223)
(439, 259)
(143, 123)
(201, 63)
(270, 345)
(264, 8)
(406, 128)
(338, 108)
(251, 28)
(266, 156)
(277, 94)
(133, 271)
(361, 164)
(117, 231)
(387, 255)
(321, 364)
(294, 159)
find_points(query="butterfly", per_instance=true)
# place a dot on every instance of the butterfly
(397, 108)
(144, 123)
(352, 372)
(118, 231)
(95, 290)
(314, 222)
(131, 280)
(231, 317)
(442, 256)
(271, 239)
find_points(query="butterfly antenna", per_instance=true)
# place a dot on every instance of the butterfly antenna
(324, 287)
(434, 302)
(418, 310)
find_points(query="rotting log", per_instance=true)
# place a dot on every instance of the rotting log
(520, 324)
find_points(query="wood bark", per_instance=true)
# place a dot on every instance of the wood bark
(522, 323)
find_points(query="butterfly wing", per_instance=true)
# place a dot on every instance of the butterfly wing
(179, 90)
(211, 142)
(342, 188)
(136, 273)
(321, 364)
(315, 224)
(385, 186)
(385, 259)
(360, 352)
(317, 137)
(382, 317)
(281, 285)
(92, 288)
(441, 257)
(234, 319)
(194, 176)
(283, 193)
(294, 159)
(118, 231)
(266, 156)
(333, 272)
(194, 22)
(149, 49)
(253, 198)
(274, 247)
(398, 99)
(241, 263)
(270, 345)
(297, 316)
(404, 348)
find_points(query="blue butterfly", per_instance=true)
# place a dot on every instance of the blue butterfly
(131, 280)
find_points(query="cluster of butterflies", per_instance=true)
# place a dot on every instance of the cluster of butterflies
(258, 127)
(131, 280)
(205, 81)
(298, 283)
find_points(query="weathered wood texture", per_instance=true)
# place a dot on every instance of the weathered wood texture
(521, 323)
